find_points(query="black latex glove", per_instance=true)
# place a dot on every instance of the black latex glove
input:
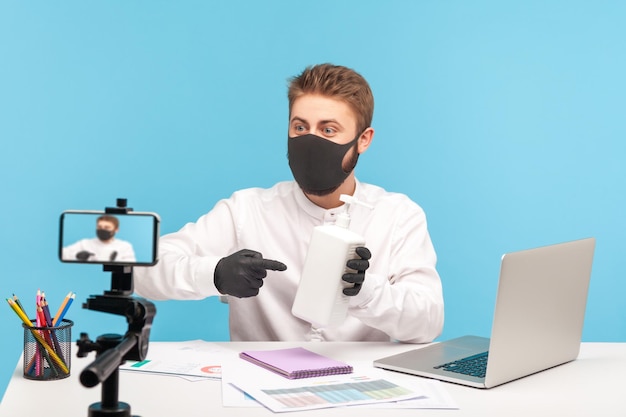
(83, 255)
(241, 274)
(360, 266)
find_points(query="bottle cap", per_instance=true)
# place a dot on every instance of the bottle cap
(350, 199)
(343, 219)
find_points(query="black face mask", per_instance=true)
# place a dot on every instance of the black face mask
(104, 234)
(316, 163)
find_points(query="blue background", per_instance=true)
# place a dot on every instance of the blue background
(503, 120)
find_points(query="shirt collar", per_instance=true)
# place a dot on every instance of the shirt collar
(316, 211)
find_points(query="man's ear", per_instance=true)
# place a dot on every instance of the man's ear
(365, 140)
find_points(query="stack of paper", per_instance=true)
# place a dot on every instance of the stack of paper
(248, 385)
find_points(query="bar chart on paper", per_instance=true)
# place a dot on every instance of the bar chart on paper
(334, 394)
(338, 393)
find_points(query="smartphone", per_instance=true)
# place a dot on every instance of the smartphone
(97, 237)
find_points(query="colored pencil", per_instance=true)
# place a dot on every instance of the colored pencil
(19, 304)
(38, 351)
(48, 318)
(65, 308)
(61, 308)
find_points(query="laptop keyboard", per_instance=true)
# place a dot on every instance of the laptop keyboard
(475, 365)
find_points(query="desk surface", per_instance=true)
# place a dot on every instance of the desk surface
(588, 386)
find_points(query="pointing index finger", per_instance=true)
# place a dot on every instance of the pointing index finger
(273, 265)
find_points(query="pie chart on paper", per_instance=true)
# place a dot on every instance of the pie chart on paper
(212, 370)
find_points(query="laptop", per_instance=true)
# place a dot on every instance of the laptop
(537, 324)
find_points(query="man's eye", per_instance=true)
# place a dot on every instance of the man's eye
(299, 128)
(329, 131)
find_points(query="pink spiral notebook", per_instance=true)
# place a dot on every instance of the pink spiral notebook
(295, 363)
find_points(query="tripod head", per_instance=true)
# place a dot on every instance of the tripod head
(139, 315)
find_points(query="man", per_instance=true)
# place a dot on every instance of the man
(396, 295)
(104, 247)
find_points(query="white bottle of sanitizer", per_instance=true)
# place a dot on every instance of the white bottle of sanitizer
(320, 299)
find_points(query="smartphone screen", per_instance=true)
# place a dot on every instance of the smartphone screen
(104, 238)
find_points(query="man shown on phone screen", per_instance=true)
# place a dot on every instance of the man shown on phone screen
(105, 247)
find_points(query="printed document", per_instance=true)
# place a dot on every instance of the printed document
(192, 360)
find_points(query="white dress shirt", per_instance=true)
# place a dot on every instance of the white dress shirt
(113, 250)
(401, 298)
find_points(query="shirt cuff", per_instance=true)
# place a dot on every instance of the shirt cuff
(203, 276)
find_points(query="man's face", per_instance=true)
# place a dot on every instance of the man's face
(325, 117)
(105, 230)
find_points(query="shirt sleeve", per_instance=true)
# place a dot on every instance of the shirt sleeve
(187, 258)
(406, 302)
(68, 253)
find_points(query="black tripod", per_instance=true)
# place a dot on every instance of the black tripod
(113, 349)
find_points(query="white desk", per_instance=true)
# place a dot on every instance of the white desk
(590, 386)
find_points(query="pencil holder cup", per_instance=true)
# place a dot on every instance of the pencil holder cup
(47, 351)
